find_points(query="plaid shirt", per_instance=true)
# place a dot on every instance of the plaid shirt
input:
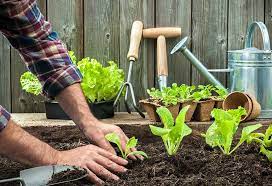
(22, 23)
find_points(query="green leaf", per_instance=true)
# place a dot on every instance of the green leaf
(138, 153)
(266, 152)
(246, 134)
(268, 136)
(166, 117)
(132, 142)
(30, 83)
(158, 131)
(181, 116)
(114, 138)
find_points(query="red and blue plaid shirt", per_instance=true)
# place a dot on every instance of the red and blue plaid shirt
(22, 23)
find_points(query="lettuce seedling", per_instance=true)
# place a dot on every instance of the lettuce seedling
(131, 143)
(221, 92)
(264, 140)
(221, 132)
(173, 132)
(154, 93)
(185, 92)
(203, 92)
(30, 83)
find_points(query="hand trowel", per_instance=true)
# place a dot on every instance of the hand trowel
(41, 176)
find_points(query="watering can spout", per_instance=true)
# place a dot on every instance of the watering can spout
(181, 46)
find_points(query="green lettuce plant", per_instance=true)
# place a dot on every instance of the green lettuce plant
(264, 140)
(221, 132)
(131, 143)
(99, 83)
(203, 92)
(172, 132)
(221, 92)
(30, 83)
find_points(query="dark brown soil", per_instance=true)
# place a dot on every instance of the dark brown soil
(195, 164)
(67, 175)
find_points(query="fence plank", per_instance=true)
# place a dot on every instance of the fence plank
(268, 18)
(101, 30)
(66, 17)
(143, 70)
(5, 92)
(241, 14)
(209, 36)
(20, 100)
(176, 13)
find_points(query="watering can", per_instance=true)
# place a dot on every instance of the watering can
(250, 68)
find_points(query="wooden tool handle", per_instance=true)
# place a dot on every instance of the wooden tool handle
(162, 65)
(167, 32)
(135, 39)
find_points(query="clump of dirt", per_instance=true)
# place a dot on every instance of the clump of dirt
(195, 163)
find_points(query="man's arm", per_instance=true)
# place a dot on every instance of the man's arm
(19, 145)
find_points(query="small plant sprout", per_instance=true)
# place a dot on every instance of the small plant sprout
(131, 143)
(203, 92)
(173, 132)
(30, 83)
(221, 132)
(264, 140)
(221, 92)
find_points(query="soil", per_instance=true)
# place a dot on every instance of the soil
(67, 175)
(195, 163)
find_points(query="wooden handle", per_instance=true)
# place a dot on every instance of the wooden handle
(135, 39)
(167, 32)
(162, 66)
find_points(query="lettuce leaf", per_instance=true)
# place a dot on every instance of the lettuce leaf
(30, 83)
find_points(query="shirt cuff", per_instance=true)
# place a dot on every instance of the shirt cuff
(4, 118)
(61, 79)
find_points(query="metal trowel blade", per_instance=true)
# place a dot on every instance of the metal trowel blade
(40, 176)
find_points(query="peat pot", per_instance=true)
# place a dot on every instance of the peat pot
(100, 110)
(250, 69)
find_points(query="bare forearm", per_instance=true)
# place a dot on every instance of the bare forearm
(74, 104)
(17, 144)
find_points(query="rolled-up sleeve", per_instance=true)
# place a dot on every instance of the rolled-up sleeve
(42, 51)
(4, 118)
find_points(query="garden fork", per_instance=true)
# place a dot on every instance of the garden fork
(135, 39)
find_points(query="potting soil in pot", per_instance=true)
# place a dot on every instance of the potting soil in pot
(195, 163)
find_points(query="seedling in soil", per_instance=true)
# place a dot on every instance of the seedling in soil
(221, 92)
(203, 92)
(264, 140)
(221, 132)
(131, 143)
(173, 132)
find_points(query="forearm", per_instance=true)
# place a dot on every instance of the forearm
(74, 104)
(17, 144)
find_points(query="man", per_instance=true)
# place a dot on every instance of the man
(45, 56)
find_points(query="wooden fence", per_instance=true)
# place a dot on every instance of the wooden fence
(101, 29)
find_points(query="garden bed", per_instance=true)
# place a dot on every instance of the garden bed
(194, 164)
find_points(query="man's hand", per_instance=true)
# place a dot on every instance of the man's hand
(74, 104)
(98, 162)
(96, 133)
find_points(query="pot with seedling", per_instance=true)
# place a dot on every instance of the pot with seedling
(167, 98)
(220, 97)
(205, 103)
(100, 85)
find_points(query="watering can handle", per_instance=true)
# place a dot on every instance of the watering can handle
(250, 32)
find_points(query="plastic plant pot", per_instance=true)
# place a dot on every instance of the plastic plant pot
(101, 110)
(203, 110)
(191, 109)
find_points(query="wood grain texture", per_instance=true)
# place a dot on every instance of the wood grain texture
(175, 13)
(20, 100)
(66, 17)
(5, 92)
(143, 70)
(101, 30)
(241, 14)
(209, 36)
(268, 18)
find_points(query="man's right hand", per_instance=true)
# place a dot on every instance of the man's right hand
(98, 162)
